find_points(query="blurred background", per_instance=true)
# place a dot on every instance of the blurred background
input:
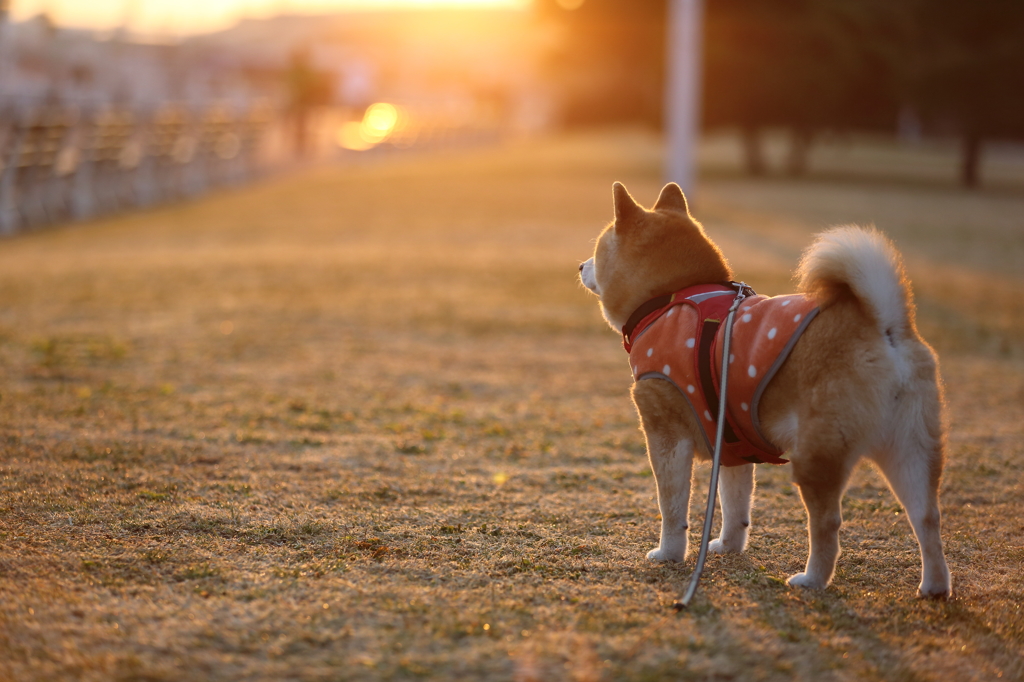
(311, 333)
(112, 104)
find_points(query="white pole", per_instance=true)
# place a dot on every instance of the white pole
(682, 91)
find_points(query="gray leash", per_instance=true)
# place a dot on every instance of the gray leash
(709, 514)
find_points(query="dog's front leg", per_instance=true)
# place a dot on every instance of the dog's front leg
(668, 427)
(672, 462)
(736, 486)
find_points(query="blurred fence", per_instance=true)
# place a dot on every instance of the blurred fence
(61, 163)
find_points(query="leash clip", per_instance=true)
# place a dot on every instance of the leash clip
(743, 292)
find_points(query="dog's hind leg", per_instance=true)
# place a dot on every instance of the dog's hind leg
(736, 486)
(913, 473)
(821, 481)
(911, 460)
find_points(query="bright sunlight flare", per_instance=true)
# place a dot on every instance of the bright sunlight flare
(379, 121)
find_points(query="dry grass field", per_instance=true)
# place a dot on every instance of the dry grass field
(362, 424)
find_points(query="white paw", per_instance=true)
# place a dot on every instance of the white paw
(937, 591)
(720, 547)
(666, 555)
(806, 581)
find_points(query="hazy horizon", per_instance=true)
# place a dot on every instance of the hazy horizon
(190, 17)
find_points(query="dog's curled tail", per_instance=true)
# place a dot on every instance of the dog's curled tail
(862, 262)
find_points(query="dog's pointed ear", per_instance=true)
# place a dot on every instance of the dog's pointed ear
(671, 199)
(626, 209)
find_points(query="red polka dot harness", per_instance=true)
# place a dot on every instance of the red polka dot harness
(678, 338)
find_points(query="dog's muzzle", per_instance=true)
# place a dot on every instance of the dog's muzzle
(587, 275)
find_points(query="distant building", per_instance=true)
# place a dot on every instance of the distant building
(45, 65)
(458, 65)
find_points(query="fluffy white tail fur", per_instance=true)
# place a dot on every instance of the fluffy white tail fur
(863, 262)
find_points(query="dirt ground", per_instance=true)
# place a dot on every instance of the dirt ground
(363, 423)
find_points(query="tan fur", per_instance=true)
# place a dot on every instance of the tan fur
(860, 382)
(660, 239)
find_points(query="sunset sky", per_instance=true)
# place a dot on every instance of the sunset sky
(196, 16)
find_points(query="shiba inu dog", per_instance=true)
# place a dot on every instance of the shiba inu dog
(855, 381)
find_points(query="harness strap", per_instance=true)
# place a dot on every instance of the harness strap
(655, 304)
(708, 330)
(640, 313)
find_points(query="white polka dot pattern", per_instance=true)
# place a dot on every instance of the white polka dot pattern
(756, 346)
(764, 328)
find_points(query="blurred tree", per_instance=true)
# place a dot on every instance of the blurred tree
(307, 88)
(609, 61)
(805, 65)
(5, 7)
(968, 72)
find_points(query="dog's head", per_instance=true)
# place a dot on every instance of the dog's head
(644, 254)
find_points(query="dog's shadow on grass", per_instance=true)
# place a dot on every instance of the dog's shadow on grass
(854, 625)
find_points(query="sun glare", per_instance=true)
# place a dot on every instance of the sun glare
(378, 124)
(380, 120)
(181, 17)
